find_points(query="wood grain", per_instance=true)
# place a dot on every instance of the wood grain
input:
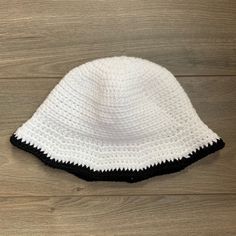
(42, 40)
(22, 174)
(114, 215)
(47, 38)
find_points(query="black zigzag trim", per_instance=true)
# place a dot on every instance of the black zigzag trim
(120, 175)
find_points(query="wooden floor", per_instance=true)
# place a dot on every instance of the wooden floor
(41, 40)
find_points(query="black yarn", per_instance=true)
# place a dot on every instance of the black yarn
(120, 175)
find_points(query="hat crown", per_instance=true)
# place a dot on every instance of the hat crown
(117, 95)
(116, 74)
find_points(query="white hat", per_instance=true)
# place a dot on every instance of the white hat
(119, 119)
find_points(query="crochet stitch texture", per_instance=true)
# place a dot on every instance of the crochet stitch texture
(117, 118)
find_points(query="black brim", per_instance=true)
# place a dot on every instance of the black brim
(121, 175)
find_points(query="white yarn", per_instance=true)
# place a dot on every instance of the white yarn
(117, 113)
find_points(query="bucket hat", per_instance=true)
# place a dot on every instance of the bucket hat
(117, 119)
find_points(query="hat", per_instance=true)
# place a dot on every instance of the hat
(117, 119)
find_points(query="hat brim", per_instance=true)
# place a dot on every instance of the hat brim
(130, 176)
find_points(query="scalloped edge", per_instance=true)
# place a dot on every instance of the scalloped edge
(130, 176)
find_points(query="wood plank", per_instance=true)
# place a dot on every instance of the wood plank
(133, 215)
(47, 38)
(22, 174)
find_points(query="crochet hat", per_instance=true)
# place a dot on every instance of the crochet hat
(119, 119)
